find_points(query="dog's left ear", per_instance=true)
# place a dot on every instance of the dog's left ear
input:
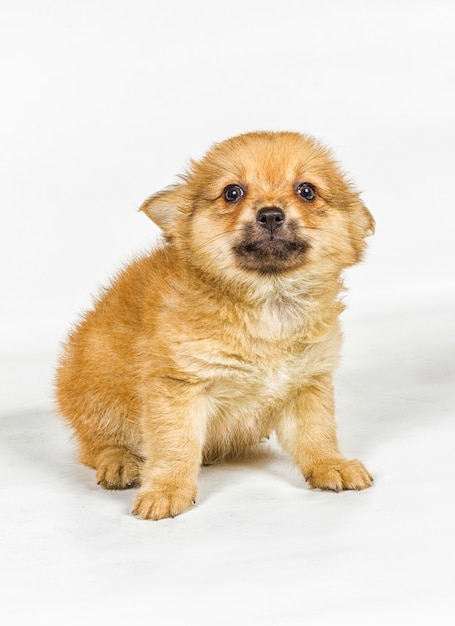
(165, 207)
(361, 226)
(367, 220)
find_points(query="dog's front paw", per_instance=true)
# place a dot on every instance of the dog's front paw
(338, 475)
(158, 504)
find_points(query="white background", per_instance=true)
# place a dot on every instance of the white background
(103, 103)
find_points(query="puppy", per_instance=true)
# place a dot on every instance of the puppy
(227, 332)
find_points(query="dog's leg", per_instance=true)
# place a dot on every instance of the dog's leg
(307, 431)
(174, 424)
(113, 453)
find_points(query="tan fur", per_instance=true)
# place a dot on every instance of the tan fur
(204, 347)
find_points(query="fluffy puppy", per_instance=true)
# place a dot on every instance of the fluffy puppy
(227, 332)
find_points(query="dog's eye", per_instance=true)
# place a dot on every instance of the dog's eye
(306, 191)
(232, 193)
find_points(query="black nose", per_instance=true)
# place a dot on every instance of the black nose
(271, 218)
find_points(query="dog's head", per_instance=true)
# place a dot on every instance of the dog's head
(264, 204)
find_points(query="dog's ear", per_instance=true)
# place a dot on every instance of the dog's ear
(165, 207)
(368, 223)
(362, 225)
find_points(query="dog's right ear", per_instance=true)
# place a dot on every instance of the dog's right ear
(165, 207)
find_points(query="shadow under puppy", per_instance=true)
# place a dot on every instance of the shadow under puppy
(227, 331)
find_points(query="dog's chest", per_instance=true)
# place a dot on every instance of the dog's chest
(253, 372)
(258, 383)
(257, 364)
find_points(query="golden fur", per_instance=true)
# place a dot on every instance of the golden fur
(227, 331)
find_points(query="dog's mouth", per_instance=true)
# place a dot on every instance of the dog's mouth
(270, 252)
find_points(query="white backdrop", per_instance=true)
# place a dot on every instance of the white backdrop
(104, 102)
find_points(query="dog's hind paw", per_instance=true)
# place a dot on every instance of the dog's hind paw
(117, 468)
